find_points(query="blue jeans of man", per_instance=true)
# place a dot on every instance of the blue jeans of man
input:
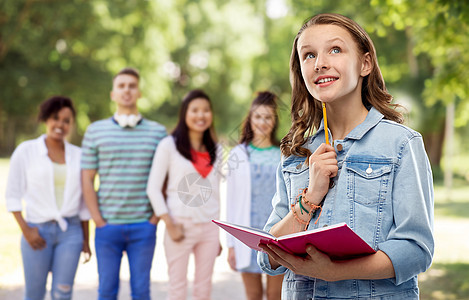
(60, 256)
(138, 241)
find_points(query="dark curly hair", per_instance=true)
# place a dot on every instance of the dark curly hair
(53, 105)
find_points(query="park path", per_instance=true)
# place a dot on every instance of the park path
(226, 283)
(450, 248)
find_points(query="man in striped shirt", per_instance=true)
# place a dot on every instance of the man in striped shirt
(120, 150)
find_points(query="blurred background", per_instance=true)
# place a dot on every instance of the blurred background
(232, 49)
(228, 48)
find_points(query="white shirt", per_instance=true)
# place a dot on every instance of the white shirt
(189, 195)
(31, 178)
(238, 200)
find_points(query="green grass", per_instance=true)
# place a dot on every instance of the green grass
(445, 282)
(454, 204)
(448, 278)
(460, 165)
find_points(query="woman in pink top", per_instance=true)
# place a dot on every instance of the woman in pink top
(189, 158)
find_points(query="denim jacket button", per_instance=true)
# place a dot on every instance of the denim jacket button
(298, 166)
(339, 147)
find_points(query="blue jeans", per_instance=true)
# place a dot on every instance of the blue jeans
(60, 256)
(138, 241)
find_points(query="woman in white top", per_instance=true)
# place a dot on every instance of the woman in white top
(189, 158)
(252, 166)
(45, 173)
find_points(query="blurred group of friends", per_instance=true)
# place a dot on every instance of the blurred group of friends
(374, 175)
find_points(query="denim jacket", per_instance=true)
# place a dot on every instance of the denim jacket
(383, 191)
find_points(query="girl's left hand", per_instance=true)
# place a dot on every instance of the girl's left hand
(316, 264)
(86, 251)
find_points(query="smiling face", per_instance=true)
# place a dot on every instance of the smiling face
(331, 65)
(199, 115)
(262, 121)
(58, 125)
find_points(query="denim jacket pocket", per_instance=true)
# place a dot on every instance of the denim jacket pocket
(368, 179)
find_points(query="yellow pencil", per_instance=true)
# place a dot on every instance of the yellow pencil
(326, 131)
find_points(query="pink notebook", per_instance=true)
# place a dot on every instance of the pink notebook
(338, 241)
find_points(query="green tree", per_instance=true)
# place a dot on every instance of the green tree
(230, 49)
(45, 51)
(72, 48)
(437, 32)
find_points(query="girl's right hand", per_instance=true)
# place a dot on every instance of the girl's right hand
(34, 239)
(322, 167)
(176, 232)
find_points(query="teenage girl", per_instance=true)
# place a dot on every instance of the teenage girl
(373, 175)
(189, 158)
(252, 166)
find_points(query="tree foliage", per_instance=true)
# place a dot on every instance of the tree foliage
(229, 48)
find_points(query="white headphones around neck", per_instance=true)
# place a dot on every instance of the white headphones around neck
(127, 120)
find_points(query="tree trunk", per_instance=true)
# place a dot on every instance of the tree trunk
(434, 145)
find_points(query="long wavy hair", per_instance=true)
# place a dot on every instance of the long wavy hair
(181, 132)
(306, 111)
(263, 98)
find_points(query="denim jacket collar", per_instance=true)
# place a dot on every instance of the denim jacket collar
(296, 164)
(372, 119)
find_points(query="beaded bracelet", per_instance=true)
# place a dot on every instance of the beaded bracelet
(302, 208)
(298, 218)
(313, 206)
